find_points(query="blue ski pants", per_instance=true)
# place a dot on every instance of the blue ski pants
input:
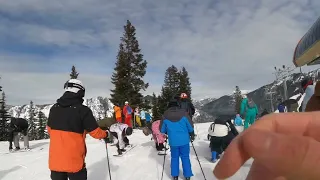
(182, 152)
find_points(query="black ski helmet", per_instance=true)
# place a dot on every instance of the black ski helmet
(129, 131)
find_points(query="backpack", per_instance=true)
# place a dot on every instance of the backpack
(185, 105)
(129, 110)
(251, 103)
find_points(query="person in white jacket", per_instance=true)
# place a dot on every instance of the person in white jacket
(308, 88)
(120, 132)
(221, 133)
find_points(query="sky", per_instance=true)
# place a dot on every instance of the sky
(222, 43)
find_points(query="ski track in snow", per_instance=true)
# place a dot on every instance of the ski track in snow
(141, 163)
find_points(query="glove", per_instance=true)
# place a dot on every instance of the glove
(192, 136)
(106, 139)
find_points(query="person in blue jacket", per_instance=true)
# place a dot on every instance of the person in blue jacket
(148, 120)
(177, 124)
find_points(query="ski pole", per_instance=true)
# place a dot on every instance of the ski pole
(199, 161)
(108, 161)
(164, 159)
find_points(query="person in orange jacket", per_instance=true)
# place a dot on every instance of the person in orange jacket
(127, 112)
(68, 123)
(117, 112)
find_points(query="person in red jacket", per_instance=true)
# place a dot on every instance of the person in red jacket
(127, 112)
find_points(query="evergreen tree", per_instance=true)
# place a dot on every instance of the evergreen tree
(237, 99)
(130, 69)
(185, 85)
(170, 87)
(155, 107)
(4, 117)
(41, 130)
(74, 74)
(32, 125)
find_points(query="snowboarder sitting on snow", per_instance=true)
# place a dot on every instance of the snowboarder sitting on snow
(68, 123)
(158, 137)
(17, 126)
(120, 132)
(177, 124)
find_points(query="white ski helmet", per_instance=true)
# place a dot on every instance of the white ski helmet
(75, 86)
(126, 102)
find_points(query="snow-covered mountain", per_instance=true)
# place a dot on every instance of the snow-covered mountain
(225, 104)
(101, 107)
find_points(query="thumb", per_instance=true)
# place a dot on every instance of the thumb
(290, 156)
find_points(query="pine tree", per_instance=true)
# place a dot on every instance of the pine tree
(41, 130)
(170, 87)
(4, 117)
(129, 70)
(237, 99)
(155, 106)
(185, 85)
(32, 125)
(74, 74)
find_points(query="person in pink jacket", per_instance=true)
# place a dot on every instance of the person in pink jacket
(158, 137)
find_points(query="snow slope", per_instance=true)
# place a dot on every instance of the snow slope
(141, 163)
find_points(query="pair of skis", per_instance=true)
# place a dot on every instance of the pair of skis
(129, 148)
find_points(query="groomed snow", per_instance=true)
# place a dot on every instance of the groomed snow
(141, 163)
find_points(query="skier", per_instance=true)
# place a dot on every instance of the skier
(308, 89)
(243, 105)
(127, 112)
(238, 120)
(218, 131)
(143, 117)
(250, 111)
(186, 104)
(120, 132)
(68, 123)
(17, 126)
(148, 120)
(117, 113)
(137, 117)
(177, 124)
(158, 137)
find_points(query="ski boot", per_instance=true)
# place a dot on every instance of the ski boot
(119, 152)
(175, 178)
(27, 149)
(17, 149)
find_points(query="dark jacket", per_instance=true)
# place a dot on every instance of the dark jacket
(178, 125)
(188, 106)
(68, 123)
(314, 102)
(18, 124)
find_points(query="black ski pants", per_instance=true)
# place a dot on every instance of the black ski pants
(125, 139)
(81, 175)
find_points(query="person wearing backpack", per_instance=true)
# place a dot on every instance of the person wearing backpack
(127, 112)
(186, 104)
(251, 112)
(218, 132)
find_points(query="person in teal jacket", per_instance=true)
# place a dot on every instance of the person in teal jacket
(249, 111)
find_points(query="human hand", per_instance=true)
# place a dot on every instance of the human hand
(284, 146)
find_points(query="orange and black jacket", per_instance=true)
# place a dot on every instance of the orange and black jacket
(68, 123)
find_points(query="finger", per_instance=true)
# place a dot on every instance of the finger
(259, 171)
(291, 156)
(233, 158)
(306, 124)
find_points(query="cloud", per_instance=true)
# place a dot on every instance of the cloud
(221, 43)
